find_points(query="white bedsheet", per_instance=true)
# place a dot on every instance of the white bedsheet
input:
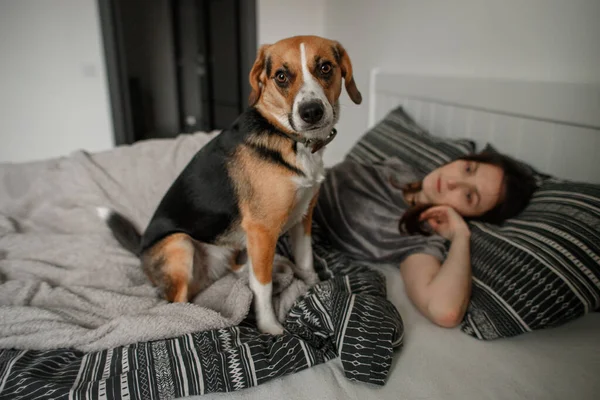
(438, 363)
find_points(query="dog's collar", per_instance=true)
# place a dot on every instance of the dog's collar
(315, 144)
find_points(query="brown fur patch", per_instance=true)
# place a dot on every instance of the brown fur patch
(266, 196)
(265, 190)
(277, 143)
(170, 263)
(261, 249)
(177, 290)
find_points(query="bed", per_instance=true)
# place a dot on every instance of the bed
(554, 127)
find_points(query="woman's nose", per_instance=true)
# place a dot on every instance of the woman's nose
(451, 184)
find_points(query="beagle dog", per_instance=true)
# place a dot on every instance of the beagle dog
(250, 184)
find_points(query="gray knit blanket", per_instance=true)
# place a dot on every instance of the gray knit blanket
(64, 280)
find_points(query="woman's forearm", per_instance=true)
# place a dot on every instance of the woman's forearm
(450, 288)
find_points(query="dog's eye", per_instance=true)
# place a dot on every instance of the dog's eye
(281, 77)
(326, 68)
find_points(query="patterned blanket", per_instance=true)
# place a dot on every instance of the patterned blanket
(347, 315)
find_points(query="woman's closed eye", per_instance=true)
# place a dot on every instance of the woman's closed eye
(472, 197)
(469, 197)
(470, 167)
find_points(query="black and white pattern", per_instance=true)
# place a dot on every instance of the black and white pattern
(398, 135)
(540, 269)
(347, 315)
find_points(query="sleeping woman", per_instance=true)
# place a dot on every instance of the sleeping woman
(385, 212)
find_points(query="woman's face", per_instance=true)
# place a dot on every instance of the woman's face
(470, 187)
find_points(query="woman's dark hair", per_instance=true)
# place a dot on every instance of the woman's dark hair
(519, 184)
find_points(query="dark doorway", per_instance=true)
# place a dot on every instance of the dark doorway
(177, 66)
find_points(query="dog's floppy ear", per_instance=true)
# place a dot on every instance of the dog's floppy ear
(258, 75)
(345, 64)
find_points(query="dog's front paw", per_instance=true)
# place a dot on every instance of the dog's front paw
(271, 327)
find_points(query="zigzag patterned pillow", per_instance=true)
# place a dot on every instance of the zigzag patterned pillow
(540, 269)
(399, 135)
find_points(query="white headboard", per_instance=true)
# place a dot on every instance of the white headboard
(553, 126)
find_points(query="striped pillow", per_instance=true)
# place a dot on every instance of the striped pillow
(398, 135)
(536, 271)
(540, 269)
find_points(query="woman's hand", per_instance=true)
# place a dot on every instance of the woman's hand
(446, 222)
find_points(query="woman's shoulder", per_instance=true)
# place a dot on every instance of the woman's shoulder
(398, 165)
(389, 168)
(387, 163)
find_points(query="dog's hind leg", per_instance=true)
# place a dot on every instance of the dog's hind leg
(169, 265)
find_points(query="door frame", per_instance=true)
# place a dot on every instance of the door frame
(116, 70)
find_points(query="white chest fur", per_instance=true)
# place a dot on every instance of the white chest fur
(307, 185)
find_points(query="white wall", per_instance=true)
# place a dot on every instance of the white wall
(549, 40)
(280, 19)
(54, 95)
(53, 87)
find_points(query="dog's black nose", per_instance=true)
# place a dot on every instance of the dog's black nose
(311, 112)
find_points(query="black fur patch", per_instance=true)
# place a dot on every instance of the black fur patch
(125, 232)
(274, 157)
(337, 54)
(269, 66)
(242, 257)
(255, 122)
(252, 121)
(202, 202)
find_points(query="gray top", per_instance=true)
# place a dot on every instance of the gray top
(360, 209)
